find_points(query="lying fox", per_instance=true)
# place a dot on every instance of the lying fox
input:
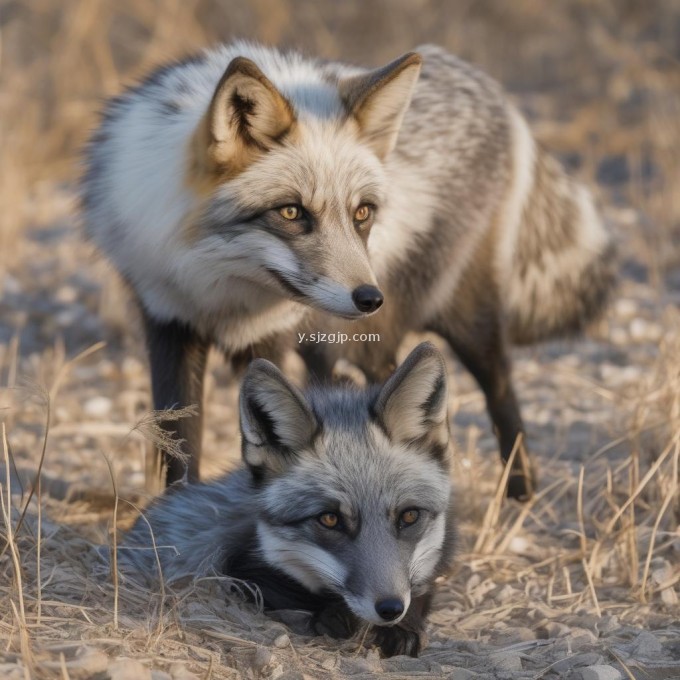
(238, 189)
(342, 506)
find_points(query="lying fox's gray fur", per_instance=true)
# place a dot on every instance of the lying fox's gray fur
(342, 506)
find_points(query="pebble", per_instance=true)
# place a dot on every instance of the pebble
(282, 641)
(563, 666)
(520, 546)
(128, 669)
(329, 664)
(263, 657)
(625, 308)
(132, 368)
(600, 672)
(646, 645)
(458, 673)
(179, 671)
(10, 671)
(66, 295)
(507, 662)
(644, 331)
(98, 407)
(551, 630)
(607, 624)
(669, 596)
(11, 285)
(160, 675)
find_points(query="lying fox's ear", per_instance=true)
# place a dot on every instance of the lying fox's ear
(413, 404)
(276, 421)
(378, 100)
(247, 115)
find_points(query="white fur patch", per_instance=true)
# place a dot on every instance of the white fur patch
(427, 553)
(523, 172)
(308, 564)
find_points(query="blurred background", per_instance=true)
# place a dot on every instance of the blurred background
(599, 79)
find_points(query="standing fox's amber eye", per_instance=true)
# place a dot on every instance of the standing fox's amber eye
(329, 519)
(290, 212)
(409, 517)
(362, 213)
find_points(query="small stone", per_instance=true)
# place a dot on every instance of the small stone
(179, 671)
(644, 331)
(457, 673)
(329, 664)
(563, 666)
(618, 336)
(607, 624)
(88, 661)
(625, 308)
(128, 669)
(263, 657)
(669, 596)
(647, 645)
(551, 630)
(132, 367)
(580, 637)
(519, 545)
(507, 662)
(66, 294)
(98, 407)
(282, 641)
(600, 672)
(160, 675)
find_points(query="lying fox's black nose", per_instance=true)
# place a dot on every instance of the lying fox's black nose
(389, 609)
(367, 298)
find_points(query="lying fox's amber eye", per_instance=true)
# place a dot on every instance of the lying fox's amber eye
(409, 517)
(362, 213)
(329, 520)
(290, 212)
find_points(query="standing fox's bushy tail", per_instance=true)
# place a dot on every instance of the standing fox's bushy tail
(556, 258)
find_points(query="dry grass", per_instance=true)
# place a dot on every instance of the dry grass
(580, 570)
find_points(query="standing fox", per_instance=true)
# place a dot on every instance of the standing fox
(342, 507)
(236, 190)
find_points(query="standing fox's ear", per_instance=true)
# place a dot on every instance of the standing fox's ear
(378, 100)
(276, 421)
(413, 404)
(247, 115)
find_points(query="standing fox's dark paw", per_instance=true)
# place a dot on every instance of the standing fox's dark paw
(520, 487)
(522, 478)
(395, 640)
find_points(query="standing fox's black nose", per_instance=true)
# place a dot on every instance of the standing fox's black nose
(389, 609)
(367, 298)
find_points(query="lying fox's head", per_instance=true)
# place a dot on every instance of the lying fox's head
(292, 177)
(354, 486)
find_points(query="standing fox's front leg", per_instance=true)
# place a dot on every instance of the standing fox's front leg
(177, 356)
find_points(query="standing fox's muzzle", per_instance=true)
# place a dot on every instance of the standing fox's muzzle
(367, 299)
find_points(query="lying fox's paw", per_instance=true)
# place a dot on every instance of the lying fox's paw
(336, 621)
(397, 640)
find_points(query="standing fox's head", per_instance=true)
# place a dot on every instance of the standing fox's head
(355, 491)
(291, 176)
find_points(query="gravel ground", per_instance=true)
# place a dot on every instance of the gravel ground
(582, 583)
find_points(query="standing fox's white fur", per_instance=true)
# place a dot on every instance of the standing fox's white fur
(238, 189)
